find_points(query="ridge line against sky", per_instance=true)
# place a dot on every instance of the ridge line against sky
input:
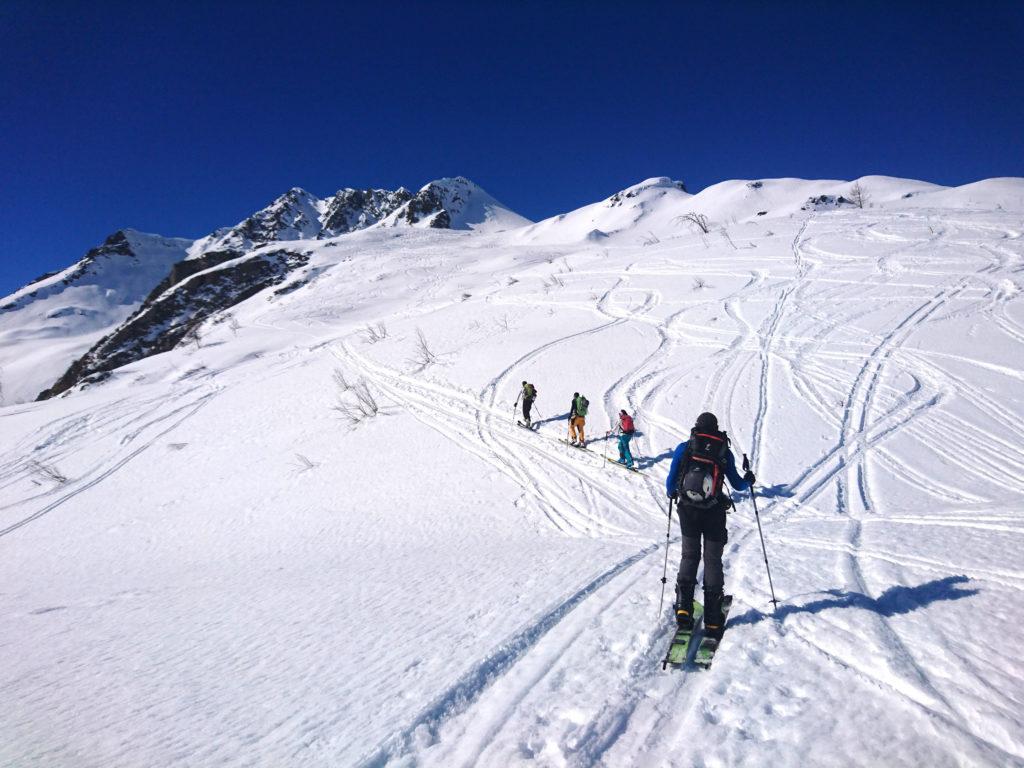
(128, 116)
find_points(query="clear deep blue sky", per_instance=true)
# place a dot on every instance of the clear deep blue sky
(180, 118)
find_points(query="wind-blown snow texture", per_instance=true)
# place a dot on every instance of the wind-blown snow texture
(204, 564)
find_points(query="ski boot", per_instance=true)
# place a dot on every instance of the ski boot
(684, 605)
(714, 620)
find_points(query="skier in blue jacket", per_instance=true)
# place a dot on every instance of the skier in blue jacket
(695, 481)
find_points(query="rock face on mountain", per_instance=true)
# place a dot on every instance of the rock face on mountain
(352, 209)
(234, 263)
(168, 315)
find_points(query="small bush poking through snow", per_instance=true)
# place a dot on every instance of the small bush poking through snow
(375, 333)
(365, 405)
(424, 355)
(47, 472)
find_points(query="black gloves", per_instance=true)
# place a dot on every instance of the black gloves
(749, 477)
(674, 495)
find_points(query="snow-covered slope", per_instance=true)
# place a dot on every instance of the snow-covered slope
(53, 320)
(317, 537)
(640, 207)
(659, 208)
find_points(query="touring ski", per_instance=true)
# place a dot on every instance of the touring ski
(530, 427)
(680, 648)
(634, 470)
(709, 645)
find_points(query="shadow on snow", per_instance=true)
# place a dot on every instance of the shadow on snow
(893, 602)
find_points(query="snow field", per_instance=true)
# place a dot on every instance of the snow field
(230, 575)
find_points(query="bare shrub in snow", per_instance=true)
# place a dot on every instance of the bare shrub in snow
(375, 333)
(728, 239)
(233, 324)
(699, 284)
(193, 335)
(504, 323)
(47, 472)
(858, 196)
(699, 220)
(424, 355)
(553, 281)
(364, 406)
(651, 239)
(341, 382)
(302, 464)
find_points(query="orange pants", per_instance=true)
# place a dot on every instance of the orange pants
(576, 429)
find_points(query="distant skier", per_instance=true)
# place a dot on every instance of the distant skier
(578, 419)
(625, 430)
(699, 466)
(527, 395)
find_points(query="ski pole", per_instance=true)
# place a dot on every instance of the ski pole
(764, 550)
(664, 573)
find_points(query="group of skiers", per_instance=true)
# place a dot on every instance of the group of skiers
(695, 482)
(625, 428)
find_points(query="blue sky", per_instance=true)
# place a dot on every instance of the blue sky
(178, 118)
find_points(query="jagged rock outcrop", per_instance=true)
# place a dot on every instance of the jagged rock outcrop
(353, 209)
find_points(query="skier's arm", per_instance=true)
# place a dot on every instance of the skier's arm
(671, 482)
(737, 482)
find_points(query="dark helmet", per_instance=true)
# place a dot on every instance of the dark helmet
(707, 422)
(575, 394)
(524, 383)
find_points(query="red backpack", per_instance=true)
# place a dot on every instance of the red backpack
(627, 424)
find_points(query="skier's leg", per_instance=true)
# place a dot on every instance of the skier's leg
(583, 421)
(622, 449)
(629, 454)
(527, 405)
(686, 581)
(715, 537)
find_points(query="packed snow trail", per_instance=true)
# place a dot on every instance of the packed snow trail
(438, 586)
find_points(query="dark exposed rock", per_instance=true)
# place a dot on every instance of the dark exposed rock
(165, 318)
(427, 202)
(352, 209)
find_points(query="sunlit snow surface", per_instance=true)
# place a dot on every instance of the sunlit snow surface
(230, 575)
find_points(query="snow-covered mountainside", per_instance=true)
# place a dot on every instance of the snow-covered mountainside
(232, 264)
(56, 318)
(314, 535)
(659, 207)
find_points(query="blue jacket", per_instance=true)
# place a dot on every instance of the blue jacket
(737, 482)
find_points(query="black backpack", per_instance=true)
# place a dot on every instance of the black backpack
(703, 469)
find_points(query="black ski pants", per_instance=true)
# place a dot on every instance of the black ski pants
(527, 405)
(696, 524)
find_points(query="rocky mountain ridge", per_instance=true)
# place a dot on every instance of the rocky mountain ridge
(233, 263)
